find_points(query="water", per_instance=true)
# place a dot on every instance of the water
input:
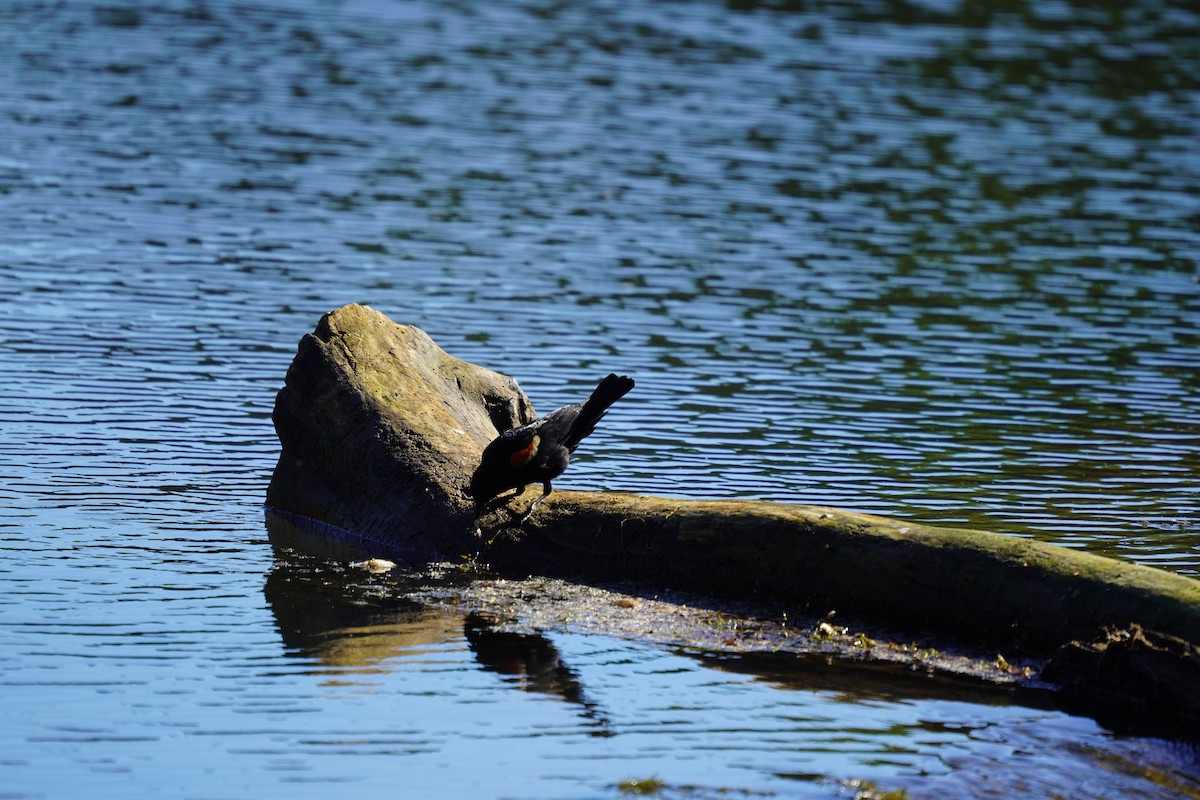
(902, 258)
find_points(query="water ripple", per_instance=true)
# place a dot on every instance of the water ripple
(931, 262)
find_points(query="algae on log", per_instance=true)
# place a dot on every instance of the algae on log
(980, 586)
(381, 429)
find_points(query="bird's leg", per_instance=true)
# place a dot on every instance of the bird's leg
(546, 489)
(545, 493)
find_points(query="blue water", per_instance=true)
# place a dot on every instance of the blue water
(934, 263)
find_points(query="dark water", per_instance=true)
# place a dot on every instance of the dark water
(919, 259)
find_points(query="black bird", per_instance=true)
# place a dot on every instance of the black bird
(539, 451)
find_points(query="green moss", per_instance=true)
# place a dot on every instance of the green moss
(641, 787)
(867, 790)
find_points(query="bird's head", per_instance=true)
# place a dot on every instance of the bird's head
(481, 490)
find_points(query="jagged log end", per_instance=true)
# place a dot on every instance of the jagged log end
(1133, 679)
(380, 430)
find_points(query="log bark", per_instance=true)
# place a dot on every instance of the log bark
(380, 430)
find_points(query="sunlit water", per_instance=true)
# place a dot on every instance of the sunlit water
(918, 262)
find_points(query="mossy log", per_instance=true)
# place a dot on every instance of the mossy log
(381, 429)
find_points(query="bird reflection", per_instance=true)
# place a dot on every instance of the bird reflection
(532, 661)
(350, 621)
(326, 619)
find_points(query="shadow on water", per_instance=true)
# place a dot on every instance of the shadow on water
(350, 625)
(353, 623)
(348, 619)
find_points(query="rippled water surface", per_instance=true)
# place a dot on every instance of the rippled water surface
(918, 259)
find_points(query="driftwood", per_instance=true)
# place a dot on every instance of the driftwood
(380, 431)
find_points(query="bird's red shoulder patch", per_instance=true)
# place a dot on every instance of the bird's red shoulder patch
(519, 458)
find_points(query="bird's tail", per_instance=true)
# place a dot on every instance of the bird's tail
(610, 390)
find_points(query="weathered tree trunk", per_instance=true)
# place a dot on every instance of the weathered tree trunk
(381, 429)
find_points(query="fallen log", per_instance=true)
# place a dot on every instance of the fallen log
(380, 430)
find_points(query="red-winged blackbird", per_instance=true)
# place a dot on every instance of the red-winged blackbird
(539, 451)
